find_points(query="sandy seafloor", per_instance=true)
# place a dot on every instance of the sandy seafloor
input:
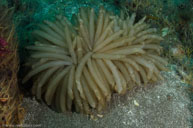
(163, 105)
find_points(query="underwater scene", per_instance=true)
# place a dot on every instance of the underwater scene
(96, 63)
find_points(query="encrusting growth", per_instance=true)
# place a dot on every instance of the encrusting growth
(82, 64)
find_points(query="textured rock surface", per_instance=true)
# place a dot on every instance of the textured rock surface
(164, 105)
